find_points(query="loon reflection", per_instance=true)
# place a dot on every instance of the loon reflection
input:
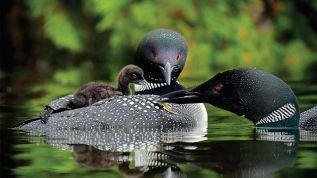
(154, 163)
(161, 152)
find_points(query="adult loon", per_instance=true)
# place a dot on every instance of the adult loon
(257, 95)
(161, 55)
(93, 92)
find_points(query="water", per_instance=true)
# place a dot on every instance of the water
(230, 147)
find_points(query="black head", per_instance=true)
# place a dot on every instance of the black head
(162, 54)
(131, 74)
(252, 93)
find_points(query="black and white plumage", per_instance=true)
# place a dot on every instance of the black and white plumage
(157, 88)
(135, 111)
(308, 119)
(286, 111)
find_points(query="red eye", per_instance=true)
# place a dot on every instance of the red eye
(177, 57)
(153, 53)
(218, 87)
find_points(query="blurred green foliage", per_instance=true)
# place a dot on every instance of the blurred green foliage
(272, 35)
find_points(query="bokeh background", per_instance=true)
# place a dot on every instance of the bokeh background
(75, 41)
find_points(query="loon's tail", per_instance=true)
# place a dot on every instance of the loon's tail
(308, 119)
(43, 117)
(20, 124)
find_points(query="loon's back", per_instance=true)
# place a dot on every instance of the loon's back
(135, 111)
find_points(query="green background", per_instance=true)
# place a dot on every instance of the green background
(78, 41)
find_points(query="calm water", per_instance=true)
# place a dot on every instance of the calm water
(229, 147)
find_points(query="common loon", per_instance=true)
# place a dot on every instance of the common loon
(93, 92)
(161, 55)
(257, 95)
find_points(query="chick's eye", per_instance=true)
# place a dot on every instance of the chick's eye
(178, 57)
(218, 87)
(134, 76)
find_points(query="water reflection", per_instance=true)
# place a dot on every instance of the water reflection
(151, 153)
(147, 163)
(253, 158)
(122, 139)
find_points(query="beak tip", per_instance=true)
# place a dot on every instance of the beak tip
(168, 82)
(143, 82)
(167, 70)
(163, 99)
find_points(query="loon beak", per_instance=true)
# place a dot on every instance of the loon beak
(167, 70)
(189, 95)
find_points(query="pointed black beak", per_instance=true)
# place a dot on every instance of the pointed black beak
(167, 72)
(189, 95)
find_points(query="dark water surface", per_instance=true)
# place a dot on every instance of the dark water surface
(229, 147)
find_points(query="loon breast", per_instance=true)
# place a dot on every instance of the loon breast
(134, 111)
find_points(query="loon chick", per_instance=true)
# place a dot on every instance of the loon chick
(93, 92)
(161, 54)
(257, 95)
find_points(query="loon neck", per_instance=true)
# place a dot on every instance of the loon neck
(287, 115)
(123, 86)
(158, 88)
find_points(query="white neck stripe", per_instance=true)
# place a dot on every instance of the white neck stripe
(148, 86)
(284, 112)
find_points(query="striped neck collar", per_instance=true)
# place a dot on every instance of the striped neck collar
(286, 111)
(150, 86)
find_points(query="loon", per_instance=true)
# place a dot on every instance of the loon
(93, 92)
(161, 55)
(257, 95)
